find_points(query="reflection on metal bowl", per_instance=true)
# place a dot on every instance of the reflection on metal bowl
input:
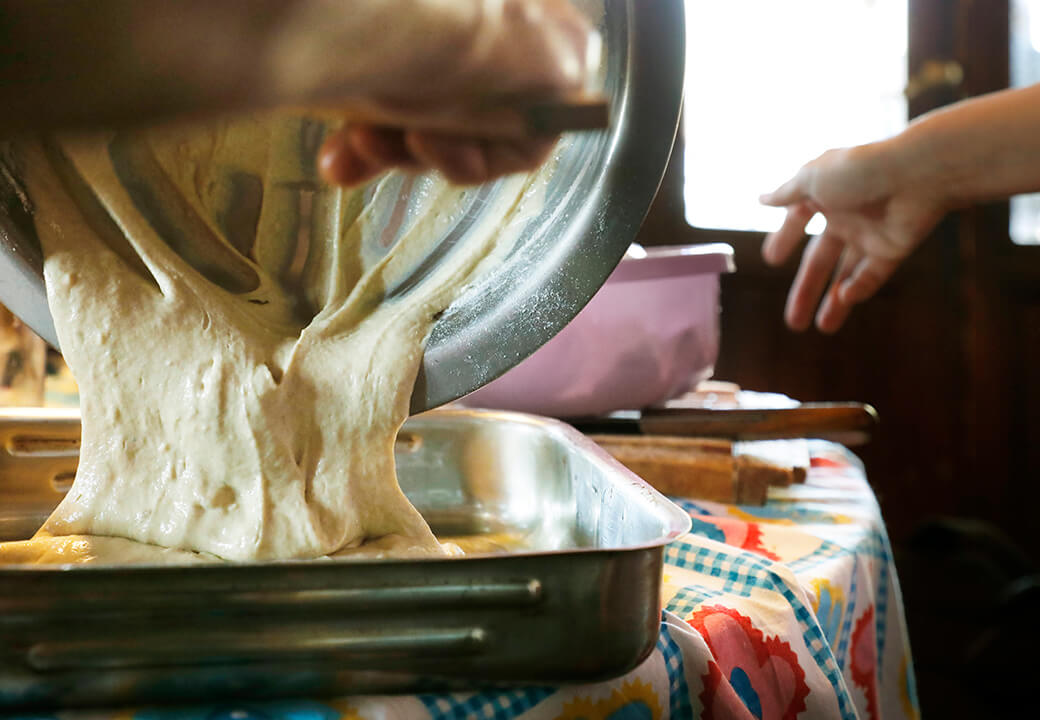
(601, 188)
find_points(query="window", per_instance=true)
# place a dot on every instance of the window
(1025, 70)
(770, 85)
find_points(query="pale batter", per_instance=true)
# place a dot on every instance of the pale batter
(242, 404)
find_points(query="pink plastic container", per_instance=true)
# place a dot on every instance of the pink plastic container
(651, 333)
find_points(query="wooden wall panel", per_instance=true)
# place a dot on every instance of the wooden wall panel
(939, 352)
(949, 353)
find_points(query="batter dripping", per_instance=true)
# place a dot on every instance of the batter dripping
(239, 402)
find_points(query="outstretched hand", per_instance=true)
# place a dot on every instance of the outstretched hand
(875, 217)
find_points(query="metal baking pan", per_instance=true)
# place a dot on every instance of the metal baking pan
(577, 601)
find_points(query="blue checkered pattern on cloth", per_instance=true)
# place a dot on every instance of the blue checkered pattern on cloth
(825, 553)
(689, 598)
(678, 688)
(842, 651)
(494, 705)
(878, 547)
(882, 594)
(743, 572)
(690, 507)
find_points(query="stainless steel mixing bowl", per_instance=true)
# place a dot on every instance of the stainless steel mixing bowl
(596, 200)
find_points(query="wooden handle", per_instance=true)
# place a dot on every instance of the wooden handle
(807, 420)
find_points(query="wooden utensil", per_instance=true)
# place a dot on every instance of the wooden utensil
(705, 469)
(851, 423)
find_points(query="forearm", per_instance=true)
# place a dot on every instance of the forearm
(121, 61)
(983, 149)
(105, 62)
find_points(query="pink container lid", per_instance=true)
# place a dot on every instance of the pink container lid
(649, 334)
(664, 261)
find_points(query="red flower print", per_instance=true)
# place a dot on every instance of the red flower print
(738, 533)
(817, 462)
(753, 676)
(864, 660)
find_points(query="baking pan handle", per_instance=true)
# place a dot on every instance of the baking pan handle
(346, 649)
(515, 594)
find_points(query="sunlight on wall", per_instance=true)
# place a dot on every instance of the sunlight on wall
(1025, 70)
(771, 85)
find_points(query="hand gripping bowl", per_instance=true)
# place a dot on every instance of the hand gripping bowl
(596, 199)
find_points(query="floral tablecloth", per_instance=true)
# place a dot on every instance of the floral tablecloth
(791, 610)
